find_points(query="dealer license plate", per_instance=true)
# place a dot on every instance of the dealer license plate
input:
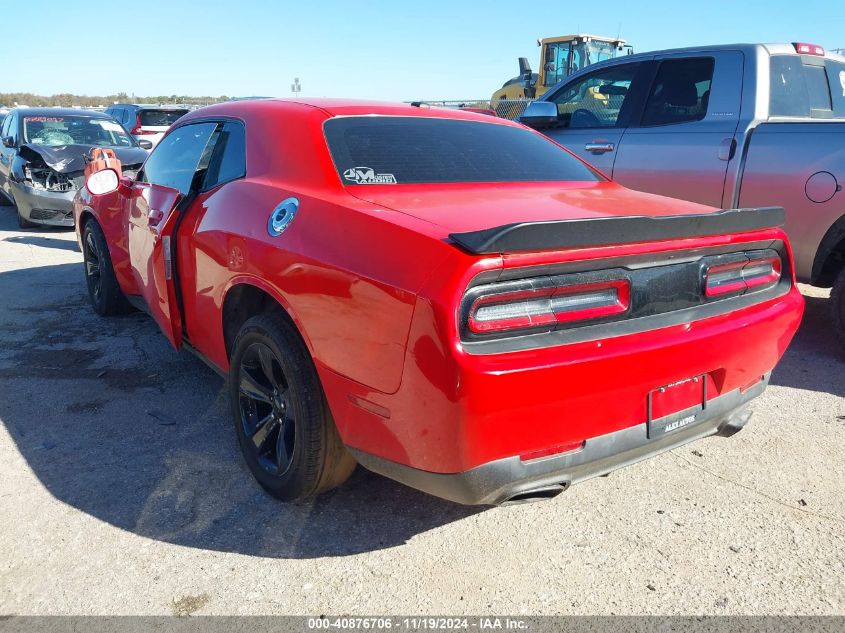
(676, 406)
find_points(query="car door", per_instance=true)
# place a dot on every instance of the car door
(684, 139)
(164, 190)
(593, 111)
(7, 154)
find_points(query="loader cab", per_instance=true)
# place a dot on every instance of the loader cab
(562, 56)
(559, 57)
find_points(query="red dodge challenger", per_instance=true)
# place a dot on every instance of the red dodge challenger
(448, 299)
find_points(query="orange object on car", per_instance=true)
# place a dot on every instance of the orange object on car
(102, 158)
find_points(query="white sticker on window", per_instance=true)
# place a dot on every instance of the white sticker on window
(368, 176)
(109, 126)
(842, 81)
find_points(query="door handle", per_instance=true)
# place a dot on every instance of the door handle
(599, 148)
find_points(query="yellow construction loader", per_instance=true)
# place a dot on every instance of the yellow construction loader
(559, 57)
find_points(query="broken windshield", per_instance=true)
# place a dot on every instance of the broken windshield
(55, 131)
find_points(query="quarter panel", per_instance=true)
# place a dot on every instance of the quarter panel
(347, 277)
(782, 157)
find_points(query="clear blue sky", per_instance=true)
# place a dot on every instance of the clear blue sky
(355, 48)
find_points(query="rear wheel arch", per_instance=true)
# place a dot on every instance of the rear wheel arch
(830, 256)
(246, 299)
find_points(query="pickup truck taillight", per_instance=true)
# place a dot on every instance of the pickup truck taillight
(733, 278)
(538, 307)
(803, 48)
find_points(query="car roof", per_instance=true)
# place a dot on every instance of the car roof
(770, 48)
(340, 107)
(60, 112)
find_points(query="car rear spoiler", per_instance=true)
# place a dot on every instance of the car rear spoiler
(610, 231)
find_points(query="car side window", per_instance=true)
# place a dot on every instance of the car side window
(680, 92)
(4, 129)
(175, 162)
(596, 100)
(228, 160)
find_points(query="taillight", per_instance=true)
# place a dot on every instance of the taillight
(802, 48)
(543, 307)
(137, 131)
(742, 276)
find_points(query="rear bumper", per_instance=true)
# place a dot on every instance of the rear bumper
(51, 208)
(512, 480)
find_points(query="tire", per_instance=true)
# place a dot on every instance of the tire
(837, 307)
(281, 417)
(104, 292)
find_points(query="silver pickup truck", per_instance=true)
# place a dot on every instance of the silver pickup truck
(747, 125)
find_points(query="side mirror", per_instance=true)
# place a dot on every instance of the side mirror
(145, 144)
(539, 114)
(103, 172)
(8, 141)
(102, 182)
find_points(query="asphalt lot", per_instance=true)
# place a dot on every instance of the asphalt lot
(122, 491)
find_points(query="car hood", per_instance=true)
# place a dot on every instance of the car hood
(462, 208)
(71, 158)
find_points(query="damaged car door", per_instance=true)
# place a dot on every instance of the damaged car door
(163, 191)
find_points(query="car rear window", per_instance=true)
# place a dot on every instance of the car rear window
(160, 117)
(413, 150)
(798, 89)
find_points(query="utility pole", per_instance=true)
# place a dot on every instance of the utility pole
(295, 87)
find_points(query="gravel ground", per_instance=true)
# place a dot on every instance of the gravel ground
(123, 492)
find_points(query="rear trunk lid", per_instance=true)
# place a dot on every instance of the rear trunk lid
(459, 208)
(533, 218)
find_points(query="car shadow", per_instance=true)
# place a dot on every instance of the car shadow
(815, 346)
(44, 242)
(115, 423)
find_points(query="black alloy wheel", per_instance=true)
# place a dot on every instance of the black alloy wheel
(105, 294)
(267, 409)
(284, 426)
(91, 257)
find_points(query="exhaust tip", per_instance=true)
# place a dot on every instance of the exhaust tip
(536, 494)
(735, 423)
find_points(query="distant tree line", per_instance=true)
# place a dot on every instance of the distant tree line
(85, 101)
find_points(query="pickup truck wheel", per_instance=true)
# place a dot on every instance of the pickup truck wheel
(284, 427)
(105, 294)
(837, 307)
